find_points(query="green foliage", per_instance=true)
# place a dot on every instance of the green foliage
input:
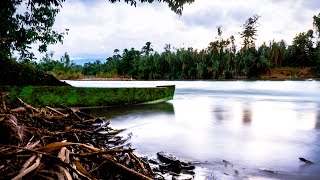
(91, 69)
(249, 32)
(19, 31)
(147, 49)
(65, 60)
(174, 5)
(220, 60)
(301, 52)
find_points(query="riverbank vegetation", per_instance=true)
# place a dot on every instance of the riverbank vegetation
(222, 59)
(24, 23)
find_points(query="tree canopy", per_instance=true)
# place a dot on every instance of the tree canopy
(174, 5)
(25, 22)
(221, 59)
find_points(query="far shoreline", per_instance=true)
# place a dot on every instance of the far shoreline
(275, 74)
(103, 79)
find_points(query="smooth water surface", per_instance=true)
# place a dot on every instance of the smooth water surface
(253, 124)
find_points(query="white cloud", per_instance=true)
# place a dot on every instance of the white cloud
(98, 28)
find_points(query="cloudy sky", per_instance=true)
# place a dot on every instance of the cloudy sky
(98, 27)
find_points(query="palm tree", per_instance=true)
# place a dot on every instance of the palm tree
(147, 49)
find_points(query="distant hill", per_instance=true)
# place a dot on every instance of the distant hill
(82, 61)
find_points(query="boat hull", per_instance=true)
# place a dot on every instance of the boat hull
(40, 96)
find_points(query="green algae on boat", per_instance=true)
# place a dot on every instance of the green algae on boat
(40, 96)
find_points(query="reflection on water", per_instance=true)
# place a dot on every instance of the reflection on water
(254, 124)
(116, 112)
(318, 117)
(247, 115)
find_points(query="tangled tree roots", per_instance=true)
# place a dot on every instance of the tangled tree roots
(10, 131)
(66, 144)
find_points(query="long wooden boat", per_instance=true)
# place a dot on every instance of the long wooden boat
(57, 96)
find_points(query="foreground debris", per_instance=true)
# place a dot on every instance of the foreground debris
(63, 144)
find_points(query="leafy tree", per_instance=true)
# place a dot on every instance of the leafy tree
(147, 49)
(47, 64)
(167, 47)
(249, 55)
(171, 64)
(249, 32)
(174, 5)
(92, 69)
(277, 56)
(19, 30)
(300, 53)
(65, 60)
(126, 63)
(116, 51)
(222, 53)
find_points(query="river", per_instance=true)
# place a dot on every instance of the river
(260, 127)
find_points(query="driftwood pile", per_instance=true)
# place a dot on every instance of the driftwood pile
(65, 144)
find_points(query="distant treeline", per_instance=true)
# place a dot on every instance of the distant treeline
(222, 59)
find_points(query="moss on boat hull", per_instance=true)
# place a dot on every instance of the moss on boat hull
(40, 96)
